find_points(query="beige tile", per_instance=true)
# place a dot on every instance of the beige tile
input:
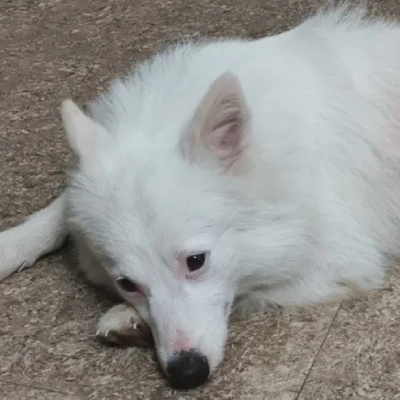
(361, 356)
(274, 353)
(10, 391)
(53, 49)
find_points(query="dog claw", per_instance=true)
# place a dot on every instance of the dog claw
(122, 326)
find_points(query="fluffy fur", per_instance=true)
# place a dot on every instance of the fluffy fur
(278, 157)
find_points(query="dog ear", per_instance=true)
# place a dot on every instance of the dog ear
(83, 133)
(220, 124)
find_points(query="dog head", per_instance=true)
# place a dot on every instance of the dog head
(170, 221)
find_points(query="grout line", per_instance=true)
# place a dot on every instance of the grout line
(318, 352)
(45, 389)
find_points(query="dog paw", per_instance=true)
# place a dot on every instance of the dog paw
(122, 326)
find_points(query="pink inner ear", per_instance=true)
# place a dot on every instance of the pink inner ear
(219, 127)
(220, 123)
(228, 134)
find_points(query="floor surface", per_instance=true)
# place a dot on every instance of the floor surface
(53, 49)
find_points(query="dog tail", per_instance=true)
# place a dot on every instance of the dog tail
(42, 232)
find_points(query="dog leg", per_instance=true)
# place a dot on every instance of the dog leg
(122, 325)
(43, 232)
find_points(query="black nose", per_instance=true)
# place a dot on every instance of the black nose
(187, 370)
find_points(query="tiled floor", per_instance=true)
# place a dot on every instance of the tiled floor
(360, 357)
(52, 49)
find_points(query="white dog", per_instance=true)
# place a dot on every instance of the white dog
(232, 175)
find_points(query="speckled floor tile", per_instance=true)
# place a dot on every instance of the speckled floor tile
(52, 49)
(10, 391)
(361, 356)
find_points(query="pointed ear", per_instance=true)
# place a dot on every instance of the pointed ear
(83, 133)
(220, 125)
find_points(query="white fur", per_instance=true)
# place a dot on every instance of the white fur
(41, 233)
(119, 318)
(296, 195)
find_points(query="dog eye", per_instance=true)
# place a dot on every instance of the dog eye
(127, 285)
(196, 261)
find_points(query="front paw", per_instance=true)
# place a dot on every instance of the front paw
(122, 326)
